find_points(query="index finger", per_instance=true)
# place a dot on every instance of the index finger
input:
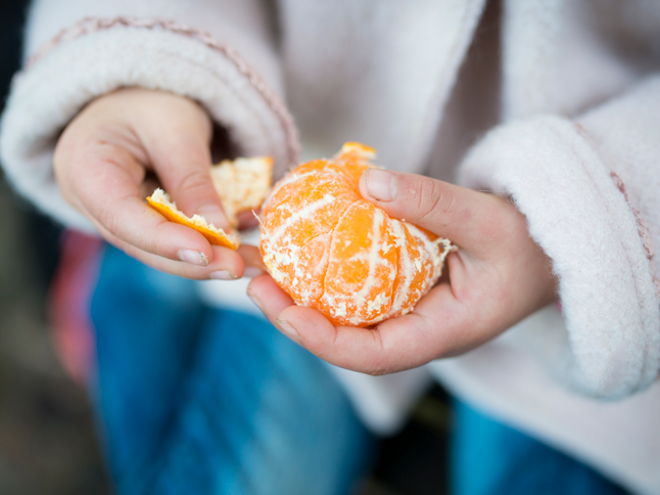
(109, 194)
(395, 345)
(179, 152)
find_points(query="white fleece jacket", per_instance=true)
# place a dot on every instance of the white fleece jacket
(567, 91)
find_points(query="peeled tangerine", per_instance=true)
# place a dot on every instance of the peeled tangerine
(333, 251)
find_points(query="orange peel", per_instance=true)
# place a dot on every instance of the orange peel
(241, 184)
(340, 254)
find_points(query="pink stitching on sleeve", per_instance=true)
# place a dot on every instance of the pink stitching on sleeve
(91, 25)
(642, 228)
(641, 223)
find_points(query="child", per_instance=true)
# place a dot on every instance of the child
(557, 201)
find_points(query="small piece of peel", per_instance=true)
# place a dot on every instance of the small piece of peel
(160, 201)
(241, 184)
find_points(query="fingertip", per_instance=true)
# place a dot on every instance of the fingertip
(197, 258)
(313, 330)
(379, 185)
(179, 243)
(268, 296)
(288, 329)
(226, 264)
(254, 265)
(263, 284)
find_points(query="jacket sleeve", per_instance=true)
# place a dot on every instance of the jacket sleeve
(590, 188)
(220, 54)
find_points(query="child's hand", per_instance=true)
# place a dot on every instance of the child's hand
(114, 154)
(497, 277)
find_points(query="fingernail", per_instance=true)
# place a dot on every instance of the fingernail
(381, 185)
(213, 215)
(251, 272)
(193, 257)
(288, 329)
(222, 275)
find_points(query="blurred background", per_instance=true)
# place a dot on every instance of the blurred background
(47, 445)
(47, 441)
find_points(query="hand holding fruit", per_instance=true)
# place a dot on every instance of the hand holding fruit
(334, 251)
(496, 277)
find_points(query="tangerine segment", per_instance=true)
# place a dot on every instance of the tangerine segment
(361, 268)
(331, 250)
(311, 267)
(292, 222)
(346, 168)
(325, 198)
(160, 201)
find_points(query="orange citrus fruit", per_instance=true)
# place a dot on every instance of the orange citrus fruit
(241, 184)
(338, 253)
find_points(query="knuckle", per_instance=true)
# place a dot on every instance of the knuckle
(106, 218)
(432, 199)
(150, 245)
(503, 221)
(379, 364)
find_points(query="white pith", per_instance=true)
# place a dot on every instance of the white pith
(161, 197)
(242, 184)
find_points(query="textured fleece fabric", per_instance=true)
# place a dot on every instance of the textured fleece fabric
(574, 143)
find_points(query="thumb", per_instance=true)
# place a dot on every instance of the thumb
(180, 153)
(447, 210)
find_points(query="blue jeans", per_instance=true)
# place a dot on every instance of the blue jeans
(195, 400)
(489, 458)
